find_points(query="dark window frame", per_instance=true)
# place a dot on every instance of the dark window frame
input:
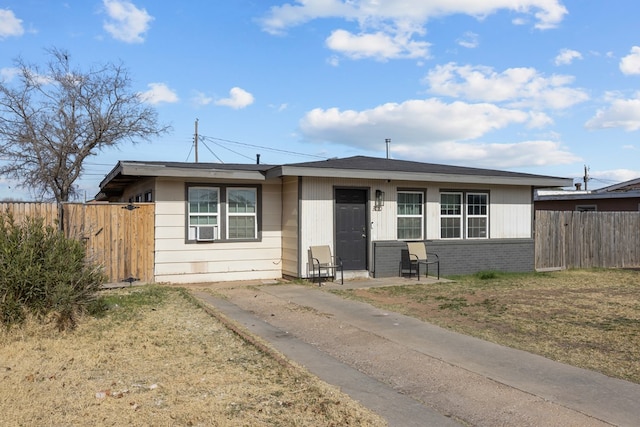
(223, 215)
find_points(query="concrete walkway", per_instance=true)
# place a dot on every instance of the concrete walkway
(575, 396)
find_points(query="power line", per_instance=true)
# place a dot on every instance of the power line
(229, 149)
(277, 150)
(210, 150)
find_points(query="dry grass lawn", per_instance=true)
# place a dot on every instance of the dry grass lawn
(159, 359)
(589, 319)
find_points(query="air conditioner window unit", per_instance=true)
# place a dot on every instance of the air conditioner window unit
(206, 233)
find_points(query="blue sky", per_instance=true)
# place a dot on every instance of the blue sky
(536, 86)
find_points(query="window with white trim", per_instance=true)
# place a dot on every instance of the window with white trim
(450, 215)
(242, 213)
(410, 215)
(477, 215)
(464, 215)
(203, 205)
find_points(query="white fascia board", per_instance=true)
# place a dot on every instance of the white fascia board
(536, 181)
(133, 169)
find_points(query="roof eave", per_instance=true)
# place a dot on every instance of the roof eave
(535, 181)
(117, 170)
(141, 169)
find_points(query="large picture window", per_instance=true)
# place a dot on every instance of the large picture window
(222, 213)
(410, 215)
(464, 215)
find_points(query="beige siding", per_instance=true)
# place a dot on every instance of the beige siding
(511, 213)
(181, 262)
(290, 252)
(509, 210)
(317, 213)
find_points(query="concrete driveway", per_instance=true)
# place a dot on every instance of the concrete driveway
(415, 374)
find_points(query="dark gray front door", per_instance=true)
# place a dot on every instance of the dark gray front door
(351, 228)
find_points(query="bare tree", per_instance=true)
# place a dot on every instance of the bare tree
(53, 119)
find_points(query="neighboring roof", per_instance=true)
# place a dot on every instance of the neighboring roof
(541, 196)
(623, 190)
(127, 172)
(379, 168)
(631, 185)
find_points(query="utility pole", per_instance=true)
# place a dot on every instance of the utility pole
(196, 140)
(586, 177)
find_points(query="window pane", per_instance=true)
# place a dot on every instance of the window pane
(409, 203)
(409, 215)
(203, 206)
(450, 228)
(242, 201)
(477, 204)
(450, 204)
(242, 227)
(203, 200)
(409, 228)
(477, 228)
(203, 220)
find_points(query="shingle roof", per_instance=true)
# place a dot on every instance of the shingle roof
(358, 167)
(382, 164)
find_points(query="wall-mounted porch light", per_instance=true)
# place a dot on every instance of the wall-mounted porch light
(379, 202)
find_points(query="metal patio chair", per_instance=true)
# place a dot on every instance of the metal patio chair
(418, 255)
(324, 264)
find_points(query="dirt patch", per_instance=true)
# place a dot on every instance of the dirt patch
(161, 362)
(590, 319)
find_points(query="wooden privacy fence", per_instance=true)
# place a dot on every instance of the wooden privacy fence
(119, 237)
(569, 239)
(21, 210)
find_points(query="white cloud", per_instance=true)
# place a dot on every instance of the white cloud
(333, 60)
(492, 155)
(615, 175)
(430, 130)
(414, 121)
(158, 93)
(630, 64)
(388, 28)
(279, 108)
(379, 45)
(567, 56)
(10, 26)
(7, 74)
(549, 13)
(126, 22)
(201, 99)
(238, 98)
(621, 113)
(518, 87)
(469, 40)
